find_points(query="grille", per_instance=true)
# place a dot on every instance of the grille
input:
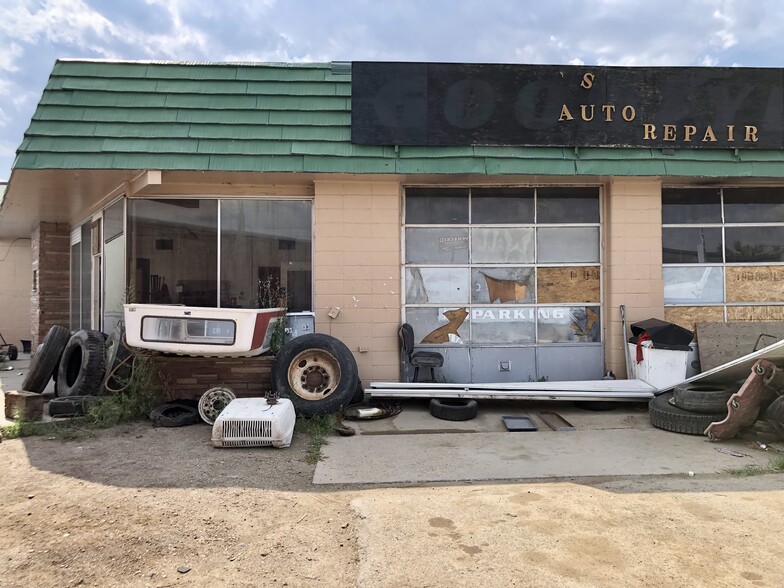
(245, 432)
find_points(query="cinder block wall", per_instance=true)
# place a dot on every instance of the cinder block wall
(357, 269)
(49, 303)
(15, 286)
(632, 273)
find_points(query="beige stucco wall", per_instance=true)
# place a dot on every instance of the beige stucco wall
(15, 288)
(357, 270)
(633, 258)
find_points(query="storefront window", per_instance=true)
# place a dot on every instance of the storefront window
(476, 285)
(728, 264)
(173, 251)
(174, 244)
(266, 240)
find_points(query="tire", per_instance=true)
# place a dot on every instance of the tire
(703, 398)
(317, 373)
(174, 414)
(671, 418)
(45, 362)
(13, 352)
(457, 409)
(83, 364)
(71, 405)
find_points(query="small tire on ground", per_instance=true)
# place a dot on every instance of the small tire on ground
(703, 398)
(71, 405)
(454, 409)
(46, 359)
(83, 364)
(671, 418)
(175, 414)
(13, 352)
(317, 372)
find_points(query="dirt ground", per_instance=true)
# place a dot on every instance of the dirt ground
(136, 504)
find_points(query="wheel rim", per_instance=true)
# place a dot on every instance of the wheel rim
(213, 401)
(314, 374)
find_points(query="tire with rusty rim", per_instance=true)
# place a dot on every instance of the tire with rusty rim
(317, 373)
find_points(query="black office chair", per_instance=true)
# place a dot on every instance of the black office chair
(424, 359)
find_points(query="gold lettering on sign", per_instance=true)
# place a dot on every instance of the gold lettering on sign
(650, 132)
(751, 134)
(565, 114)
(583, 114)
(628, 113)
(688, 132)
(608, 109)
(709, 136)
(730, 133)
(587, 82)
(669, 132)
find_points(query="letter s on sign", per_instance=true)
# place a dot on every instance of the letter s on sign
(587, 82)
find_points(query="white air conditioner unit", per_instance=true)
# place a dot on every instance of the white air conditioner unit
(252, 422)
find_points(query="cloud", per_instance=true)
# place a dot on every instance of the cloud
(34, 33)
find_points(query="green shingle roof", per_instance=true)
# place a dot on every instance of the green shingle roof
(286, 118)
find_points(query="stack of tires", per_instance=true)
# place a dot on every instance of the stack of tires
(77, 362)
(690, 408)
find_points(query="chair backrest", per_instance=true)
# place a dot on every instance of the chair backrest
(406, 334)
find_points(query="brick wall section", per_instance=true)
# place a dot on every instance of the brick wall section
(633, 275)
(15, 286)
(357, 269)
(190, 377)
(50, 250)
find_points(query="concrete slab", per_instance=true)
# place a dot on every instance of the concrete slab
(414, 447)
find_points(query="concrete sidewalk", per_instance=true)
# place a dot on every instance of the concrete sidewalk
(414, 447)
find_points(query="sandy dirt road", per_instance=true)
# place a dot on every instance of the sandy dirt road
(131, 506)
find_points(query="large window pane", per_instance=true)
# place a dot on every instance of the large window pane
(173, 251)
(436, 206)
(515, 324)
(502, 206)
(490, 245)
(563, 324)
(266, 240)
(691, 205)
(754, 244)
(754, 205)
(568, 245)
(437, 246)
(437, 285)
(567, 205)
(502, 285)
(693, 285)
(691, 245)
(437, 326)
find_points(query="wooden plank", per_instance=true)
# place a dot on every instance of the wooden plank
(755, 313)
(755, 283)
(568, 284)
(721, 343)
(688, 316)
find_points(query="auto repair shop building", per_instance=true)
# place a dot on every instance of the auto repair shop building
(504, 211)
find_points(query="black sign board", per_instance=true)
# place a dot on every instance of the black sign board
(575, 106)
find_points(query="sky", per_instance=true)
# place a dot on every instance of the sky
(35, 33)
